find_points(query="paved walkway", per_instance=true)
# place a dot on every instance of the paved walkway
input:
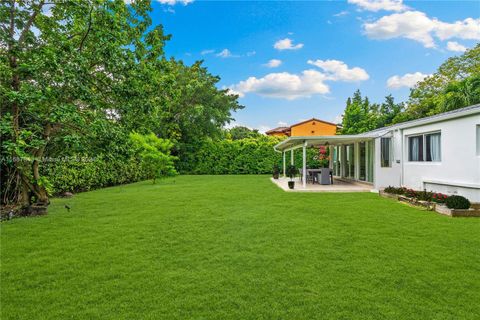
(339, 185)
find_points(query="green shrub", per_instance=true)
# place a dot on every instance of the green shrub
(395, 190)
(457, 202)
(424, 195)
(244, 156)
(154, 155)
(84, 173)
(291, 171)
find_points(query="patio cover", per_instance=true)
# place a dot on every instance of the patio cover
(293, 143)
(298, 142)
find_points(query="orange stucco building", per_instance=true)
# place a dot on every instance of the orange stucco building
(311, 127)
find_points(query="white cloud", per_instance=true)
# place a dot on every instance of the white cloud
(415, 25)
(263, 128)
(285, 85)
(174, 2)
(338, 119)
(232, 91)
(168, 2)
(455, 46)
(468, 28)
(251, 53)
(225, 53)
(341, 13)
(208, 51)
(310, 82)
(273, 63)
(407, 80)
(287, 44)
(377, 5)
(336, 70)
(282, 124)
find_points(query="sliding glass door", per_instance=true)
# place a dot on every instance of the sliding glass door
(362, 153)
(350, 161)
(370, 159)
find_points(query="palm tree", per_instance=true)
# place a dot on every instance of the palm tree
(459, 94)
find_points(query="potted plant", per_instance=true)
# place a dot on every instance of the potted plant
(291, 173)
(276, 171)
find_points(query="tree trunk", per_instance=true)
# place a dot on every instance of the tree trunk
(25, 189)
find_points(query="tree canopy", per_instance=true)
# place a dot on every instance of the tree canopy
(456, 84)
(77, 77)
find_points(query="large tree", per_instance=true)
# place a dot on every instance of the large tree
(430, 96)
(63, 66)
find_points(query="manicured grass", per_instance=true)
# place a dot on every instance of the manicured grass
(237, 247)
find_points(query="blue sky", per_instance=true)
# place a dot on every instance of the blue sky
(322, 51)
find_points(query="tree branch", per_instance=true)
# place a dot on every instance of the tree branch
(12, 23)
(88, 31)
(30, 21)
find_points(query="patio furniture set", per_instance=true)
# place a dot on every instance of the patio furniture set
(318, 176)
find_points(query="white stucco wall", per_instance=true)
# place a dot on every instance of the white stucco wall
(458, 172)
(388, 176)
(460, 165)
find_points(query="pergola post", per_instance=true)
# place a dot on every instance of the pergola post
(330, 156)
(284, 171)
(291, 157)
(304, 170)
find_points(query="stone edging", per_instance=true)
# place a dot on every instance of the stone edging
(432, 206)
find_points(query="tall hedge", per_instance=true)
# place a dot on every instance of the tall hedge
(85, 174)
(245, 156)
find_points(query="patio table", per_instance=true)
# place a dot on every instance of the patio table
(319, 177)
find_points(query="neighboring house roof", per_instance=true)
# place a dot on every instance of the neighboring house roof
(312, 119)
(294, 142)
(286, 129)
(278, 129)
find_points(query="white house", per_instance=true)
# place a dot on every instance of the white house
(440, 153)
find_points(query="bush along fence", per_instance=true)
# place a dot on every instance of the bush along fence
(453, 205)
(244, 156)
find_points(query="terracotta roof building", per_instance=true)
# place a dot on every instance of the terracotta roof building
(311, 127)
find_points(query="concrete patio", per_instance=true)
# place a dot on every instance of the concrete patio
(339, 185)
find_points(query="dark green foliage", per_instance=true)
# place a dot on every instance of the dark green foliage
(456, 84)
(87, 173)
(457, 202)
(424, 195)
(240, 132)
(360, 115)
(291, 171)
(154, 155)
(244, 156)
(77, 77)
(395, 190)
(276, 171)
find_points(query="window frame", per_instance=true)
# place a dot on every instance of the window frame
(389, 164)
(424, 146)
(477, 134)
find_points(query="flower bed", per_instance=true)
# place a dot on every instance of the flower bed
(432, 201)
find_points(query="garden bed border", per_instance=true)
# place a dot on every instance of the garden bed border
(474, 210)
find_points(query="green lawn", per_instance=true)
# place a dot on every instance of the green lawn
(237, 247)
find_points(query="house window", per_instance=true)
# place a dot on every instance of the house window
(425, 147)
(432, 147)
(478, 139)
(385, 152)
